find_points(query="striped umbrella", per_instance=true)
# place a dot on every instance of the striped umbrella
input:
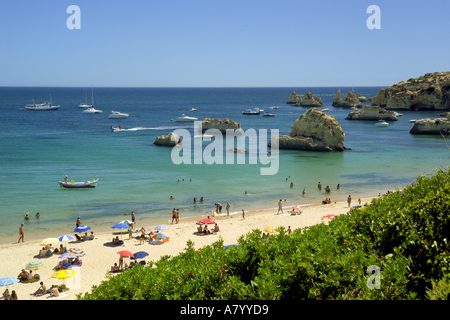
(8, 281)
(77, 252)
(270, 229)
(66, 237)
(35, 265)
(159, 236)
(82, 229)
(162, 227)
(212, 214)
(67, 255)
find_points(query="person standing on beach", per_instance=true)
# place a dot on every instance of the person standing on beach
(243, 214)
(359, 201)
(228, 208)
(174, 215)
(280, 206)
(133, 217)
(79, 222)
(21, 233)
(178, 215)
(349, 200)
(121, 262)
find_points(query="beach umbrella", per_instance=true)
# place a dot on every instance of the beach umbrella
(63, 274)
(67, 255)
(7, 281)
(125, 253)
(162, 227)
(297, 208)
(159, 236)
(48, 241)
(212, 214)
(35, 265)
(126, 222)
(121, 226)
(205, 221)
(77, 252)
(66, 237)
(270, 229)
(140, 255)
(231, 245)
(82, 229)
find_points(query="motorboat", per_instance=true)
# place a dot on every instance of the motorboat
(192, 109)
(119, 128)
(41, 106)
(77, 185)
(381, 123)
(118, 115)
(201, 136)
(398, 114)
(413, 120)
(274, 107)
(184, 118)
(268, 115)
(92, 110)
(253, 112)
(324, 109)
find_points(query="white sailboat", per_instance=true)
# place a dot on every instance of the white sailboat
(91, 109)
(85, 104)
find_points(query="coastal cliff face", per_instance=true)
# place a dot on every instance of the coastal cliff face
(170, 140)
(294, 98)
(221, 125)
(431, 91)
(314, 130)
(374, 113)
(431, 126)
(349, 101)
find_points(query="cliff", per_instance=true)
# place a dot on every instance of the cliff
(374, 113)
(314, 130)
(430, 91)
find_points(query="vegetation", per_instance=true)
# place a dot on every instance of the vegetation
(404, 233)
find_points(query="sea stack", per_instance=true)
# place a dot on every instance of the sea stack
(430, 91)
(349, 101)
(314, 130)
(294, 99)
(431, 126)
(221, 125)
(310, 101)
(170, 140)
(373, 113)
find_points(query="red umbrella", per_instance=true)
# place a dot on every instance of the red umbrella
(206, 221)
(125, 253)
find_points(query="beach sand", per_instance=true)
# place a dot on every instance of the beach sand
(101, 254)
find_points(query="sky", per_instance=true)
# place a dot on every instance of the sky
(221, 43)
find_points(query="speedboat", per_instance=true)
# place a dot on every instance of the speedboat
(77, 185)
(118, 115)
(413, 120)
(201, 136)
(268, 115)
(381, 123)
(184, 118)
(252, 112)
(275, 107)
(42, 106)
(117, 129)
(92, 110)
(398, 114)
(324, 109)
(192, 109)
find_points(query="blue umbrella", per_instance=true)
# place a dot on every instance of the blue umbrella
(66, 237)
(140, 255)
(231, 245)
(82, 229)
(162, 227)
(8, 281)
(121, 226)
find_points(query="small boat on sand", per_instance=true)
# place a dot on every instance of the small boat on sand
(84, 184)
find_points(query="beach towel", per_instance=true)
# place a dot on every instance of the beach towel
(61, 295)
(330, 216)
(41, 294)
(79, 264)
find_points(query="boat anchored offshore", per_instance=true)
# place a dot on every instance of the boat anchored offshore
(118, 115)
(42, 106)
(92, 110)
(255, 111)
(77, 185)
(268, 115)
(381, 123)
(184, 118)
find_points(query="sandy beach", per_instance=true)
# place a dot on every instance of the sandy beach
(101, 254)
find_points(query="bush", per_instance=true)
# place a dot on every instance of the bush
(404, 233)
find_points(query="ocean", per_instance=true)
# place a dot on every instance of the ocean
(38, 148)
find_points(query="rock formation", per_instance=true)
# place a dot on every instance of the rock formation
(349, 101)
(295, 99)
(431, 126)
(221, 125)
(431, 91)
(314, 130)
(310, 101)
(172, 139)
(374, 113)
(361, 98)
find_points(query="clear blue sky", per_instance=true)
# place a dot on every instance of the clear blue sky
(221, 43)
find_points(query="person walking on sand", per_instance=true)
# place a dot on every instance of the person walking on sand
(359, 201)
(243, 214)
(349, 200)
(280, 206)
(228, 208)
(21, 233)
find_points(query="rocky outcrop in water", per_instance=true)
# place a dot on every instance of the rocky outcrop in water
(221, 125)
(361, 98)
(310, 101)
(374, 113)
(431, 91)
(431, 126)
(349, 101)
(171, 139)
(314, 130)
(294, 99)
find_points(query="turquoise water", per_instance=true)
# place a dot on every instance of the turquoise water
(37, 149)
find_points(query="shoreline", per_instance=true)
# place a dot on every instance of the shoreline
(101, 254)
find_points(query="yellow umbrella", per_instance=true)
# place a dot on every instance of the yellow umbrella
(270, 229)
(35, 265)
(49, 241)
(64, 274)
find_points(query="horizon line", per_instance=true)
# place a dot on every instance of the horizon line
(182, 87)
